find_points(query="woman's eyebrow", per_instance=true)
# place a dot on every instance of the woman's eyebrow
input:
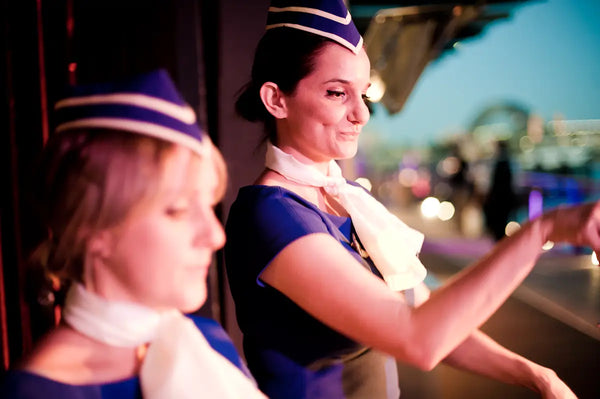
(345, 82)
(337, 80)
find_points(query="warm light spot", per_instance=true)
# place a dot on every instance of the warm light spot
(366, 183)
(548, 246)
(446, 210)
(407, 177)
(511, 228)
(448, 166)
(430, 207)
(377, 89)
(594, 259)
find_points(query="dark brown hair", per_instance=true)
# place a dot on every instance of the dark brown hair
(283, 56)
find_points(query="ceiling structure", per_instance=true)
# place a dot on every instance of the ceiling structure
(402, 37)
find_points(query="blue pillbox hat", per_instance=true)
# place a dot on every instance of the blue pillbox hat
(327, 18)
(147, 104)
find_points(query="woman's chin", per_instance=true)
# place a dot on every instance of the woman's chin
(347, 150)
(192, 304)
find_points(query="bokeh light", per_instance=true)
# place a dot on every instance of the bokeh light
(548, 245)
(511, 228)
(446, 210)
(430, 207)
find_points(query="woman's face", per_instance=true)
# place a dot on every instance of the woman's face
(160, 255)
(326, 112)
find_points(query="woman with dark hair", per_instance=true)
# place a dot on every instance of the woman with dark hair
(327, 283)
(127, 189)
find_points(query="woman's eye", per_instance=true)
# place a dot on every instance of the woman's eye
(176, 211)
(336, 93)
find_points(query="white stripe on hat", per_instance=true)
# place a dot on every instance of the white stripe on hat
(334, 37)
(315, 11)
(183, 113)
(147, 128)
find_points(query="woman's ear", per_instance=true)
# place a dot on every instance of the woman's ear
(273, 99)
(100, 244)
(98, 249)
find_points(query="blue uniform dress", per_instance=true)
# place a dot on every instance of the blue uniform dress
(291, 354)
(24, 385)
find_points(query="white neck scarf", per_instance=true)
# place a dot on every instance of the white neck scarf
(179, 363)
(391, 244)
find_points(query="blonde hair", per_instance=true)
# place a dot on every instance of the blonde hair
(91, 180)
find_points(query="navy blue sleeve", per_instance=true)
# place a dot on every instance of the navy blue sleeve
(280, 221)
(264, 223)
(24, 385)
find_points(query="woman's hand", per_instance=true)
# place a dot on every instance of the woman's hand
(552, 387)
(578, 225)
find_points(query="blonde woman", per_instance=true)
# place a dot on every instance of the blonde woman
(127, 191)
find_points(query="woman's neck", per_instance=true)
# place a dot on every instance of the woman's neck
(316, 195)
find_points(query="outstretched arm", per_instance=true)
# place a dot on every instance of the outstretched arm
(319, 275)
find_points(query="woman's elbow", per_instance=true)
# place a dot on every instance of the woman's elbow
(419, 354)
(423, 361)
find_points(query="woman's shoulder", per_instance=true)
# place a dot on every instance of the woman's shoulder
(271, 188)
(67, 357)
(54, 356)
(262, 193)
(257, 202)
(23, 384)
(267, 207)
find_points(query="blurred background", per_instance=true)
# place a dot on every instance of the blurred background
(514, 82)
(484, 114)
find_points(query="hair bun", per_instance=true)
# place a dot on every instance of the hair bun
(249, 105)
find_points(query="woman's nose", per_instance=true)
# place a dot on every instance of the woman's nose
(210, 232)
(217, 233)
(360, 112)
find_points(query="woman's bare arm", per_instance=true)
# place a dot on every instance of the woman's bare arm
(482, 355)
(324, 279)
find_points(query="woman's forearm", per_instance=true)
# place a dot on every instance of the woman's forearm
(482, 355)
(462, 305)
(321, 277)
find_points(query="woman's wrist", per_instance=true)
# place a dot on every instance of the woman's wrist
(543, 379)
(535, 376)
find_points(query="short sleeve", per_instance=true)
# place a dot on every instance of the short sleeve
(263, 222)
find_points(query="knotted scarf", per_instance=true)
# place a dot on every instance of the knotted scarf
(391, 244)
(179, 362)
